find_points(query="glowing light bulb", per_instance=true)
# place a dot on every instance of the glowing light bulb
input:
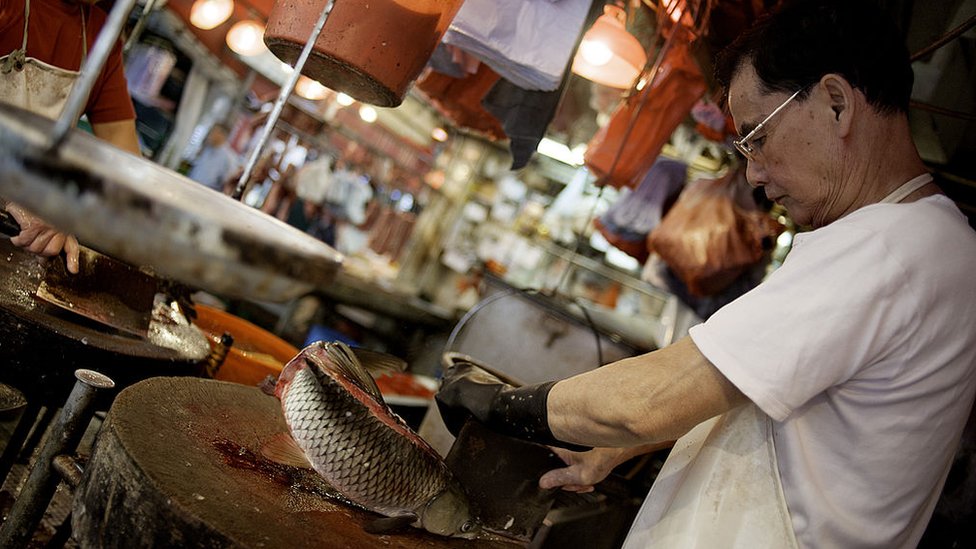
(246, 38)
(310, 89)
(367, 113)
(344, 100)
(439, 134)
(595, 52)
(208, 14)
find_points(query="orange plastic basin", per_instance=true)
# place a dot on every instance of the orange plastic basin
(255, 354)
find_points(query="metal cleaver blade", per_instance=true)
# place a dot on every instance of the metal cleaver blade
(105, 290)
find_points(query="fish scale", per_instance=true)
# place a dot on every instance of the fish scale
(398, 478)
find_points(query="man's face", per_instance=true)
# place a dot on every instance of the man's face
(793, 150)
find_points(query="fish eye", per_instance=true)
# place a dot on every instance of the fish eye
(467, 527)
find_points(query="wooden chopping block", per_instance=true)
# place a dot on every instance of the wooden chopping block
(177, 464)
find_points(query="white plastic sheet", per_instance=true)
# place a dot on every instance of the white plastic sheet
(527, 42)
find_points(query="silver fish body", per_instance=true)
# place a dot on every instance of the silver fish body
(363, 449)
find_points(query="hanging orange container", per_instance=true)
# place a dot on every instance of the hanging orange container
(371, 51)
(255, 354)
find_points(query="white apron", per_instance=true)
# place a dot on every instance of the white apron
(720, 486)
(34, 85)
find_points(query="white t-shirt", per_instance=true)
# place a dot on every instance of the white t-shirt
(862, 349)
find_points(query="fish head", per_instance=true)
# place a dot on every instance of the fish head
(449, 514)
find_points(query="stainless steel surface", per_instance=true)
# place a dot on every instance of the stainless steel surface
(282, 97)
(90, 69)
(147, 215)
(34, 497)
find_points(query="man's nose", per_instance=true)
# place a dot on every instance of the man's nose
(755, 173)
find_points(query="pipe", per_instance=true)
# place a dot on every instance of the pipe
(90, 71)
(68, 468)
(139, 26)
(282, 97)
(35, 496)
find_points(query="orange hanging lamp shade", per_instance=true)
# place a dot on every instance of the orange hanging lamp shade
(608, 54)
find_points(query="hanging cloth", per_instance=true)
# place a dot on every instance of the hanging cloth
(34, 85)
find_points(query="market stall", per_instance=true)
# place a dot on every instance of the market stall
(338, 202)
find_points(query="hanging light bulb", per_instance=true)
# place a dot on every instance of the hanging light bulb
(608, 54)
(246, 37)
(344, 99)
(208, 14)
(310, 89)
(439, 134)
(367, 113)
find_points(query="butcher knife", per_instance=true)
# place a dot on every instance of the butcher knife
(105, 290)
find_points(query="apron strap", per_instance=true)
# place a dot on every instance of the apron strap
(23, 46)
(84, 36)
(907, 188)
(15, 60)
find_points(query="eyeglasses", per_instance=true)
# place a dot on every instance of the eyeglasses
(745, 145)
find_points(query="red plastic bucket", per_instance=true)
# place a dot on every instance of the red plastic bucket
(371, 51)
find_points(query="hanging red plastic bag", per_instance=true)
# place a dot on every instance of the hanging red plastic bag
(707, 239)
(621, 152)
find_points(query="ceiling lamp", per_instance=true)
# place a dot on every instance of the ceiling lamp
(344, 99)
(439, 134)
(246, 37)
(608, 54)
(310, 89)
(208, 14)
(367, 114)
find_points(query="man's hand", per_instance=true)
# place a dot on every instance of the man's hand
(468, 391)
(583, 470)
(40, 238)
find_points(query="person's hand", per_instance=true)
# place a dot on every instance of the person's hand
(38, 237)
(583, 469)
(469, 391)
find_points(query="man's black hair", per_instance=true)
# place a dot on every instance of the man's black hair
(792, 48)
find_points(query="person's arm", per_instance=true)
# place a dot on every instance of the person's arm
(643, 400)
(651, 398)
(122, 134)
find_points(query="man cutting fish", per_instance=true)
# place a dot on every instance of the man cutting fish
(823, 408)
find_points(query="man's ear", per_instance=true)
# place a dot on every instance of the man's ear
(840, 96)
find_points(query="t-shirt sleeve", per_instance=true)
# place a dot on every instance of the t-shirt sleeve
(821, 319)
(109, 100)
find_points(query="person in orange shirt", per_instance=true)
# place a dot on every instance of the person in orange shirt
(43, 44)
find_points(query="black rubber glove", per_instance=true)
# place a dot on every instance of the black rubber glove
(468, 391)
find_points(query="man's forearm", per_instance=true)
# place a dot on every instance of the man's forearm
(652, 398)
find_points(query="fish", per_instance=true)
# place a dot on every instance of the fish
(347, 433)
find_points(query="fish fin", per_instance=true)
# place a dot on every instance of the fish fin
(283, 449)
(346, 360)
(378, 363)
(389, 525)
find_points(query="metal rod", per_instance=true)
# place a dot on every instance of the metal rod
(41, 483)
(16, 441)
(69, 469)
(90, 70)
(282, 97)
(139, 26)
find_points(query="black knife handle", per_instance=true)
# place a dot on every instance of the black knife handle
(8, 225)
